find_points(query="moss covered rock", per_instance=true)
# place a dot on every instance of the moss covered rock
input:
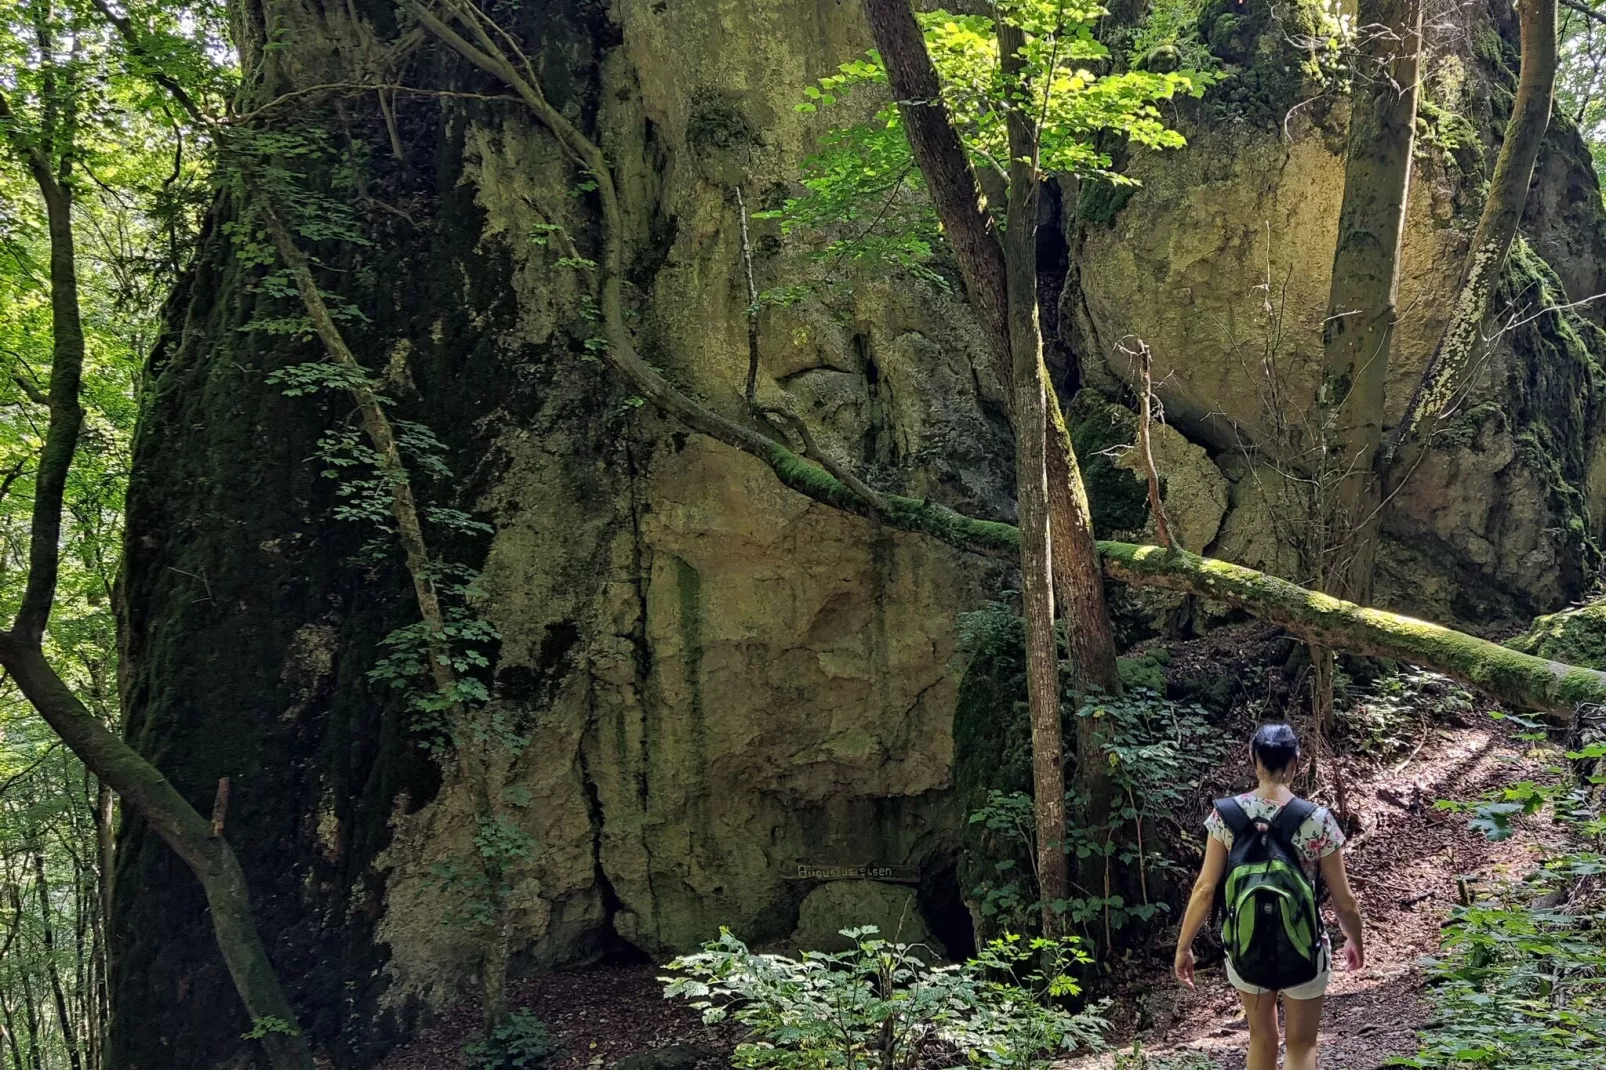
(1192, 489)
(1575, 636)
(893, 909)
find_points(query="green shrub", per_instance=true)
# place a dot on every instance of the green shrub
(878, 1007)
(1521, 979)
(1157, 751)
(520, 1044)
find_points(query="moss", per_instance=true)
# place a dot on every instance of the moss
(1117, 498)
(1464, 431)
(909, 514)
(1554, 376)
(1101, 202)
(1271, 73)
(1575, 636)
(1146, 670)
(718, 124)
(1497, 54)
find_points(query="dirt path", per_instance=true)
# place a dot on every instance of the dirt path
(1404, 863)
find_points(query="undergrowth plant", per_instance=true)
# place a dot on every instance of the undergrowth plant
(1393, 713)
(1155, 750)
(878, 1006)
(1521, 977)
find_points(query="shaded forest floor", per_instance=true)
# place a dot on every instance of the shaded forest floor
(1405, 859)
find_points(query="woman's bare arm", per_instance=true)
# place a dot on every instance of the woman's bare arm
(1204, 893)
(1347, 909)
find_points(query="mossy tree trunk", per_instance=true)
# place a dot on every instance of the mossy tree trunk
(1362, 304)
(1463, 340)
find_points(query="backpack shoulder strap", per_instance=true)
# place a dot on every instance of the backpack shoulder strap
(1290, 817)
(1232, 815)
(1286, 824)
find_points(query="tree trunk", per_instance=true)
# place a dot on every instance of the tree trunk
(12, 932)
(30, 1018)
(1361, 307)
(989, 273)
(64, 1014)
(185, 831)
(1030, 391)
(105, 844)
(11, 1031)
(1463, 338)
(30, 1013)
(957, 195)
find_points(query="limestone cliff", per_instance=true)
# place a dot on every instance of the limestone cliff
(1222, 262)
(720, 679)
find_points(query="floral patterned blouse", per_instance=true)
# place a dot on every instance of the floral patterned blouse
(1317, 838)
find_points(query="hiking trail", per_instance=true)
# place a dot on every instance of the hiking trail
(1403, 863)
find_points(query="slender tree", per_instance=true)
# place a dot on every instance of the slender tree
(48, 155)
(1357, 334)
(1000, 283)
(1463, 339)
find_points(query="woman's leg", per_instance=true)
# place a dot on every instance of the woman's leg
(1302, 1018)
(1261, 1011)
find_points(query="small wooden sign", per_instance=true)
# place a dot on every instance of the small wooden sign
(893, 872)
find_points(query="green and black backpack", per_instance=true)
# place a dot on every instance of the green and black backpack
(1272, 929)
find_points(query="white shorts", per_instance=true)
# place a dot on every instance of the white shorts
(1312, 989)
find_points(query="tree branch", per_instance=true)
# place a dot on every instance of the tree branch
(1162, 530)
(153, 69)
(955, 190)
(1585, 10)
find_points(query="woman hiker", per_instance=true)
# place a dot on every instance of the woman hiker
(1281, 839)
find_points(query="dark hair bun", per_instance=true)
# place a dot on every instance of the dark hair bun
(1275, 746)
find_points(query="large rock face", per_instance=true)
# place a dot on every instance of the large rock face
(1222, 264)
(720, 679)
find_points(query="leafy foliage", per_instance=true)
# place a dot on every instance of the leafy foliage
(138, 186)
(1157, 752)
(1155, 749)
(879, 1005)
(522, 1042)
(1390, 714)
(1174, 25)
(863, 190)
(1581, 78)
(1521, 978)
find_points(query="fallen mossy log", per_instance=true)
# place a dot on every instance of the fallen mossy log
(1518, 679)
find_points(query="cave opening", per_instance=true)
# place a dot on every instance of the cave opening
(942, 905)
